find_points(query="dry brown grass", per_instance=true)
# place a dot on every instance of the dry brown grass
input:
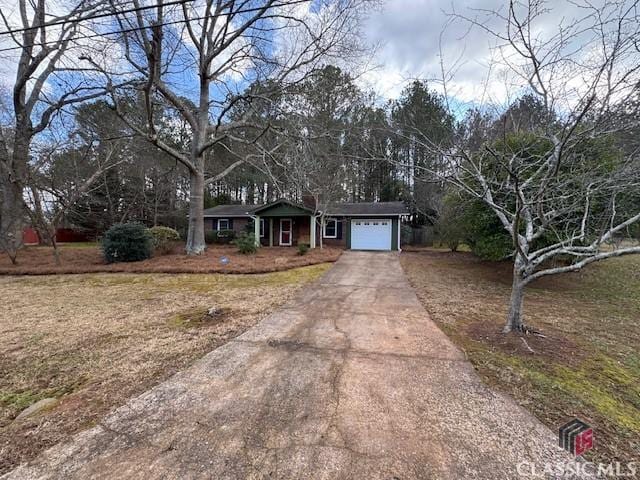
(588, 366)
(95, 340)
(87, 258)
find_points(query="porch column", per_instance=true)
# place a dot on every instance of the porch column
(271, 231)
(312, 231)
(256, 229)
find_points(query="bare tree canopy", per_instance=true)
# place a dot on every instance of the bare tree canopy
(198, 59)
(554, 170)
(43, 37)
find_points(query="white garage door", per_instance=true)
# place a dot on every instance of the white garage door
(371, 234)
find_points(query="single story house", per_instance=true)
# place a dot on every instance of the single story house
(356, 226)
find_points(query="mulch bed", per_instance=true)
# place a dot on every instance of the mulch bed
(40, 261)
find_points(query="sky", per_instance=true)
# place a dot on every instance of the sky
(412, 34)
(414, 39)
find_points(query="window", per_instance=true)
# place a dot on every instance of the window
(223, 224)
(262, 228)
(331, 228)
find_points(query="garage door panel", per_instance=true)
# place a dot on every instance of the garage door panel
(371, 234)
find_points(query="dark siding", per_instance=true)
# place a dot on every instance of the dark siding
(239, 225)
(236, 224)
(348, 225)
(342, 228)
(394, 234)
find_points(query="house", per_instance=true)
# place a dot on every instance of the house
(356, 226)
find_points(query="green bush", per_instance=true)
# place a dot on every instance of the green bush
(493, 247)
(246, 243)
(475, 224)
(303, 248)
(164, 239)
(127, 242)
(450, 225)
(210, 236)
(225, 236)
(221, 237)
(472, 222)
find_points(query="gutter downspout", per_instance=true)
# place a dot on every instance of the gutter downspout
(256, 228)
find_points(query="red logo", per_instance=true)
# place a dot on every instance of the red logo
(576, 437)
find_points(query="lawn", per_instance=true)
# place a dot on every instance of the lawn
(588, 366)
(87, 258)
(94, 340)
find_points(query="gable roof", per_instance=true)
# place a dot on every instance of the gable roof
(368, 208)
(282, 201)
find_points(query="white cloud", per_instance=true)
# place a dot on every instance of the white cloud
(415, 35)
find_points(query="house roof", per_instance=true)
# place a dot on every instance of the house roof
(336, 209)
(231, 210)
(368, 208)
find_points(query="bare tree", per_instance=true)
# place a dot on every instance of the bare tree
(558, 187)
(48, 198)
(316, 173)
(218, 47)
(44, 85)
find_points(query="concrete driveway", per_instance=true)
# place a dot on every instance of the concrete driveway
(350, 380)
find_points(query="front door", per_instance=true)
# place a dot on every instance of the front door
(285, 232)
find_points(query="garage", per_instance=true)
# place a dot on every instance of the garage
(371, 234)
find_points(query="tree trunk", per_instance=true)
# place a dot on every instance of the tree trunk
(514, 317)
(14, 177)
(195, 236)
(56, 252)
(11, 218)
(43, 233)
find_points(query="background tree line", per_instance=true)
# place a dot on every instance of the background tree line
(340, 142)
(336, 137)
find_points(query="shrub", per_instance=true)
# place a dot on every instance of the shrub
(127, 242)
(472, 222)
(164, 239)
(225, 236)
(246, 243)
(303, 248)
(493, 247)
(450, 225)
(221, 237)
(210, 236)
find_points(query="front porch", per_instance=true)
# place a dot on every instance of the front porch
(283, 224)
(285, 231)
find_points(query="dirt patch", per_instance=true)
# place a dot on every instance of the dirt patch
(89, 259)
(586, 366)
(553, 347)
(95, 340)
